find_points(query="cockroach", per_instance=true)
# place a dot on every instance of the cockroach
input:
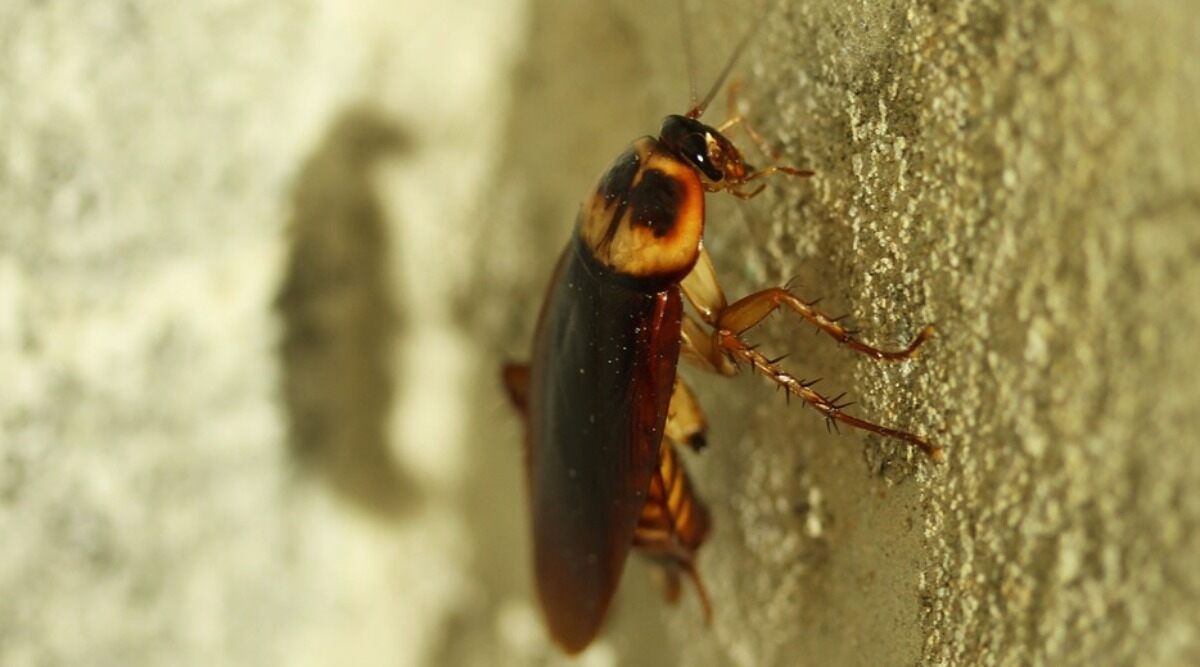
(603, 409)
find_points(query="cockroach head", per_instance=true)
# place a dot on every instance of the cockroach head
(705, 149)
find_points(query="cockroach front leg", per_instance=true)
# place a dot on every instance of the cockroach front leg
(735, 119)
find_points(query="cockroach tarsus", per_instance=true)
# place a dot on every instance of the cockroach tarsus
(603, 408)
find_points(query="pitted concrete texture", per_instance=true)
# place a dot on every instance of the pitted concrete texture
(259, 264)
(203, 327)
(1022, 175)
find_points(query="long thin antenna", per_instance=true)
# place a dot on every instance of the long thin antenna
(698, 110)
(688, 54)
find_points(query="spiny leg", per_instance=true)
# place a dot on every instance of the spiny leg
(704, 292)
(749, 311)
(830, 408)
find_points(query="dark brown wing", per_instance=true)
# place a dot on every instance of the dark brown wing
(599, 387)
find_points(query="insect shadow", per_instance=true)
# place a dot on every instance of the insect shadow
(339, 317)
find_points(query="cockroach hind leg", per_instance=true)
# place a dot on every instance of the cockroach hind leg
(701, 591)
(831, 409)
(516, 383)
(671, 585)
(668, 582)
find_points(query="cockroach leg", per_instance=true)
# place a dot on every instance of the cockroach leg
(660, 549)
(749, 311)
(734, 118)
(673, 523)
(671, 588)
(697, 346)
(732, 121)
(778, 168)
(685, 419)
(516, 382)
(761, 173)
(832, 410)
(741, 194)
(739, 120)
(703, 290)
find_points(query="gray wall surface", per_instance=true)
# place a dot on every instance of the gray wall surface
(259, 264)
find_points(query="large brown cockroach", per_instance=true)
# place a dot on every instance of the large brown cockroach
(602, 406)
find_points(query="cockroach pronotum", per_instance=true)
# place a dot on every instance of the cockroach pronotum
(603, 409)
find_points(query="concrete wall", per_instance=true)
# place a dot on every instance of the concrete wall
(258, 265)
(222, 229)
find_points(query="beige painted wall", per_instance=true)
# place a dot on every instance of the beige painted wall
(258, 264)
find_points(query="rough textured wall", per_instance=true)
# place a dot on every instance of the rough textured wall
(1022, 174)
(220, 222)
(211, 451)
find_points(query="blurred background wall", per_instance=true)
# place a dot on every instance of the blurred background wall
(232, 424)
(259, 263)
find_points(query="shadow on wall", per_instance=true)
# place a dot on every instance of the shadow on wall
(340, 319)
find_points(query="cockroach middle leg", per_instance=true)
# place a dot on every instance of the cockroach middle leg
(749, 311)
(698, 347)
(704, 292)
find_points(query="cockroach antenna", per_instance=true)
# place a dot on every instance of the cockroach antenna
(697, 110)
(688, 54)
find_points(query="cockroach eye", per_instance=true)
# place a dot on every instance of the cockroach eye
(688, 138)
